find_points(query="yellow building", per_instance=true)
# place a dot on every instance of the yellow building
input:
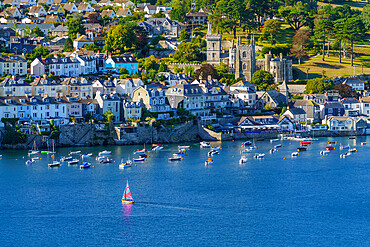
(132, 110)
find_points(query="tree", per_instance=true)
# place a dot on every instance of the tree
(300, 40)
(318, 86)
(231, 14)
(261, 8)
(38, 52)
(296, 15)
(162, 67)
(123, 70)
(365, 16)
(206, 70)
(184, 35)
(271, 29)
(75, 26)
(263, 80)
(186, 52)
(37, 32)
(68, 45)
(356, 31)
(108, 116)
(189, 70)
(345, 91)
(322, 31)
(178, 14)
(119, 37)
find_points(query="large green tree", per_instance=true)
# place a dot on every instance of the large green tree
(323, 29)
(297, 14)
(365, 16)
(75, 26)
(318, 86)
(186, 52)
(271, 30)
(119, 37)
(68, 45)
(263, 80)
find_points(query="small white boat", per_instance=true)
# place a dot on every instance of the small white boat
(175, 158)
(99, 158)
(274, 140)
(208, 161)
(33, 152)
(140, 151)
(105, 152)
(352, 150)
(35, 158)
(216, 148)
(278, 146)
(213, 152)
(325, 152)
(252, 147)
(73, 162)
(106, 160)
(86, 155)
(74, 152)
(243, 160)
(247, 150)
(54, 164)
(183, 147)
(259, 156)
(125, 165)
(346, 154)
(295, 154)
(139, 159)
(344, 147)
(247, 143)
(363, 143)
(68, 158)
(180, 153)
(30, 161)
(85, 165)
(273, 150)
(157, 148)
(205, 145)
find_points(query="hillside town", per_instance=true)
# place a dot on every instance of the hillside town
(132, 63)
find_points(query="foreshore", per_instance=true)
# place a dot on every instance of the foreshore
(88, 135)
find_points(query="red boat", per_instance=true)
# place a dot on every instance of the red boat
(305, 142)
(330, 148)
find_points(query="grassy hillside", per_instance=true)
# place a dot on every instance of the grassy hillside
(356, 5)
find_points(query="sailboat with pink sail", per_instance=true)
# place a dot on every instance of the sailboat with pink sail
(127, 197)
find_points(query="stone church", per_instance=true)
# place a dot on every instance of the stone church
(241, 58)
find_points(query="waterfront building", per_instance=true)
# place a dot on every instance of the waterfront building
(336, 123)
(132, 110)
(153, 97)
(109, 102)
(298, 115)
(310, 107)
(352, 107)
(354, 83)
(332, 108)
(365, 106)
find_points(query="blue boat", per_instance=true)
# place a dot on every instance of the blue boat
(247, 143)
(277, 146)
(143, 156)
(85, 165)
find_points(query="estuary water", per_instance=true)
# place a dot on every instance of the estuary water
(310, 200)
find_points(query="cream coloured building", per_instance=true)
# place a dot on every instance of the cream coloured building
(13, 65)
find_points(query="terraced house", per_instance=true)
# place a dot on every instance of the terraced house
(13, 65)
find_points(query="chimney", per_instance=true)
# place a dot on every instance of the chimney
(14, 77)
(44, 76)
(281, 56)
(209, 77)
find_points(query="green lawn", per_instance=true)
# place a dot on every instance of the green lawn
(352, 4)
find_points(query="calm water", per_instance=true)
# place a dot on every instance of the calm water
(303, 201)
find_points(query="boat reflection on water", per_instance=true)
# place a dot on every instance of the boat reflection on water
(127, 210)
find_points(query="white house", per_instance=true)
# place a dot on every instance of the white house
(87, 64)
(123, 12)
(77, 87)
(14, 3)
(352, 106)
(37, 11)
(108, 13)
(14, 87)
(13, 65)
(354, 83)
(11, 12)
(70, 8)
(109, 102)
(127, 86)
(365, 106)
(46, 86)
(85, 7)
(298, 115)
(104, 87)
(56, 66)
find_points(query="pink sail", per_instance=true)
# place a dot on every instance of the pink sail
(127, 194)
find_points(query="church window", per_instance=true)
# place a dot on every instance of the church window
(244, 54)
(244, 66)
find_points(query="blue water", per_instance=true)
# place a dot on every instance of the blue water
(277, 201)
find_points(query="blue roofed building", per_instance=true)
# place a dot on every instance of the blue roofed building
(113, 64)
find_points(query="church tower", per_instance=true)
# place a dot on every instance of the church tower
(245, 60)
(213, 46)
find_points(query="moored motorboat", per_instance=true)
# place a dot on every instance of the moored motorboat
(332, 142)
(330, 148)
(247, 143)
(352, 150)
(66, 158)
(274, 140)
(127, 164)
(344, 147)
(139, 159)
(127, 197)
(143, 156)
(175, 158)
(181, 152)
(30, 161)
(74, 152)
(273, 150)
(106, 160)
(363, 143)
(54, 164)
(278, 146)
(45, 152)
(305, 143)
(299, 149)
(73, 162)
(208, 161)
(157, 147)
(183, 147)
(86, 155)
(216, 148)
(85, 165)
(213, 152)
(345, 155)
(105, 152)
(243, 160)
(205, 145)
(247, 150)
(294, 154)
(259, 156)
(325, 152)
(140, 151)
